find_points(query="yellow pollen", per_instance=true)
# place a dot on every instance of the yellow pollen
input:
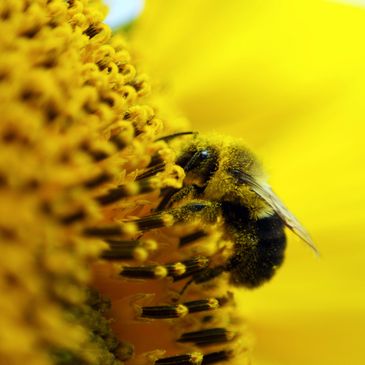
(140, 254)
(160, 272)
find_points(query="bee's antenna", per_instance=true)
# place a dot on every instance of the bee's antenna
(169, 137)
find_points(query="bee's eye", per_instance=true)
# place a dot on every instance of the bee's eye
(204, 154)
(197, 159)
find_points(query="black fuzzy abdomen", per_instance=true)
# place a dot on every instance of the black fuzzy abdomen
(258, 250)
(270, 248)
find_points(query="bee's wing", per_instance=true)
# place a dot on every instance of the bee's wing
(265, 192)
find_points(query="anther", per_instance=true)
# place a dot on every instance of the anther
(92, 31)
(178, 310)
(116, 194)
(207, 336)
(177, 270)
(154, 221)
(96, 154)
(96, 181)
(163, 311)
(110, 230)
(191, 267)
(144, 272)
(124, 250)
(194, 358)
(122, 191)
(73, 217)
(217, 356)
(118, 142)
(185, 240)
(202, 305)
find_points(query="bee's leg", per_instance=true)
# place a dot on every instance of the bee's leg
(203, 276)
(207, 211)
(187, 284)
(167, 194)
(172, 196)
(208, 274)
(192, 237)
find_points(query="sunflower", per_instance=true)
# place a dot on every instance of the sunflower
(81, 168)
(76, 127)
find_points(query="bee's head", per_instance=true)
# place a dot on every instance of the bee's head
(224, 167)
(199, 161)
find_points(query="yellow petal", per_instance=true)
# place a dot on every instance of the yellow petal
(252, 65)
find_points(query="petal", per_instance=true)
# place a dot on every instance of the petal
(252, 66)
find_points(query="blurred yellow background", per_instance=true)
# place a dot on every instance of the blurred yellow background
(288, 77)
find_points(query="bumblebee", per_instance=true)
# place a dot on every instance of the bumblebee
(223, 185)
(224, 181)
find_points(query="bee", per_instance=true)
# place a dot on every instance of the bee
(224, 185)
(224, 181)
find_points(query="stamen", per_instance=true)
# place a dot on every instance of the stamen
(177, 270)
(124, 250)
(154, 221)
(96, 155)
(122, 191)
(189, 238)
(202, 305)
(118, 142)
(217, 356)
(192, 266)
(194, 358)
(96, 181)
(110, 230)
(207, 336)
(144, 272)
(113, 195)
(163, 311)
(92, 31)
(178, 310)
(152, 171)
(73, 217)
